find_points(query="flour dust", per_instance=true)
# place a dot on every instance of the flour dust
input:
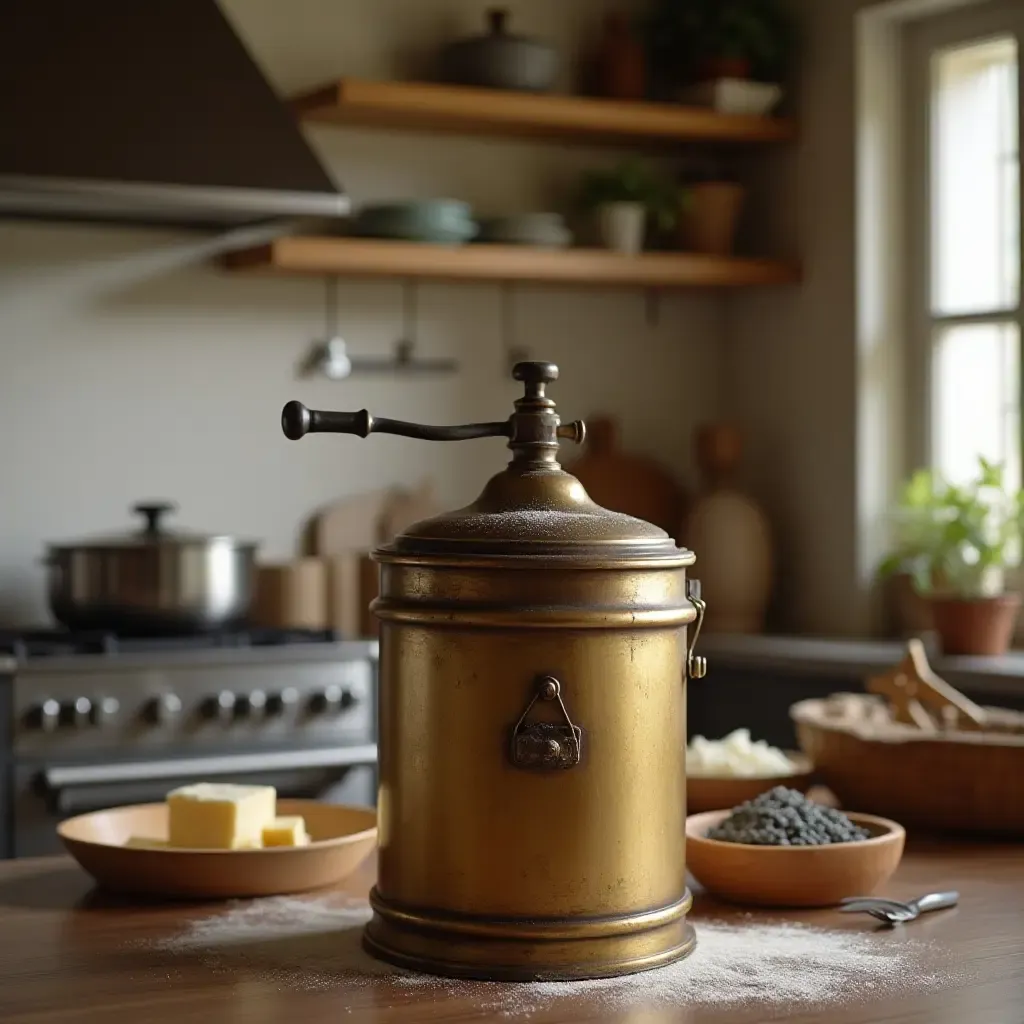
(313, 944)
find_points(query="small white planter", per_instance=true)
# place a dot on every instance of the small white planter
(620, 226)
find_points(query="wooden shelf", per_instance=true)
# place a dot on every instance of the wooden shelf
(594, 267)
(423, 106)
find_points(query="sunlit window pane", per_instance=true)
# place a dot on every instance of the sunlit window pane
(975, 178)
(977, 399)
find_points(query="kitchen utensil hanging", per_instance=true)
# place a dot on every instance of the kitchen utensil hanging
(332, 359)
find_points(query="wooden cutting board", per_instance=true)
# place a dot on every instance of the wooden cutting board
(351, 524)
(633, 484)
(346, 532)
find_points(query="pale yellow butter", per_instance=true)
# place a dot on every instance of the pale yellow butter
(288, 831)
(145, 843)
(220, 816)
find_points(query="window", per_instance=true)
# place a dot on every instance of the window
(964, 198)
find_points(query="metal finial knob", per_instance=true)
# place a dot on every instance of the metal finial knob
(535, 373)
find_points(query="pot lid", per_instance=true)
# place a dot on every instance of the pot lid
(532, 508)
(152, 531)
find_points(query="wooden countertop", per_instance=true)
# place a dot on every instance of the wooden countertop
(70, 954)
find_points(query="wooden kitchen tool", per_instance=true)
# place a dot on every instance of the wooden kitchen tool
(291, 595)
(345, 534)
(919, 697)
(633, 484)
(404, 508)
(351, 524)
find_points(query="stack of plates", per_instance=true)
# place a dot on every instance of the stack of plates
(443, 221)
(546, 230)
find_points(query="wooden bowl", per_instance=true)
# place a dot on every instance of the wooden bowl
(792, 876)
(713, 792)
(341, 839)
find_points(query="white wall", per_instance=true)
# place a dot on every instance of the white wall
(814, 373)
(131, 368)
(791, 360)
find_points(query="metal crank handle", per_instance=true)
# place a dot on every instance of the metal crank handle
(297, 421)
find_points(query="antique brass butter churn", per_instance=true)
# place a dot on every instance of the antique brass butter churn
(533, 663)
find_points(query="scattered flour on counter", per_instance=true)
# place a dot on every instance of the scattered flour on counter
(274, 918)
(313, 944)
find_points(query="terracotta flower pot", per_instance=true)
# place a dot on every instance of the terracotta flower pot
(709, 223)
(980, 626)
(712, 68)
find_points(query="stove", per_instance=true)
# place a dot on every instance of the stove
(94, 720)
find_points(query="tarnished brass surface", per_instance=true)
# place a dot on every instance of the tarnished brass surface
(532, 723)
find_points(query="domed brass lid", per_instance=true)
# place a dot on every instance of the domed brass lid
(532, 508)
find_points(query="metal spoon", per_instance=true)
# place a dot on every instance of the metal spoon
(897, 912)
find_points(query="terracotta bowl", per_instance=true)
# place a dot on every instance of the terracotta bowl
(341, 839)
(792, 876)
(712, 792)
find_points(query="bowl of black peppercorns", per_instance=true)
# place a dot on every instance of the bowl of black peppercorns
(783, 850)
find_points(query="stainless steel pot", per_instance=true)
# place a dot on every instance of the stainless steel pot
(153, 580)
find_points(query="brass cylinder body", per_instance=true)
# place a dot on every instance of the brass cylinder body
(507, 850)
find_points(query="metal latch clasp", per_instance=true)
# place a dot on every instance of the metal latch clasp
(696, 665)
(546, 745)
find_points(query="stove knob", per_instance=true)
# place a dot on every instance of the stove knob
(47, 715)
(164, 709)
(329, 699)
(348, 698)
(221, 707)
(284, 702)
(104, 710)
(77, 712)
(251, 705)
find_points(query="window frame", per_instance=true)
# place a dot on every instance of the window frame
(921, 40)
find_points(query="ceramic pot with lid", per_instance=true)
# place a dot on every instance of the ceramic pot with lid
(500, 60)
(153, 580)
(533, 666)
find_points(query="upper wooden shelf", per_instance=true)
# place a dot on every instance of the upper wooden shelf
(583, 267)
(423, 106)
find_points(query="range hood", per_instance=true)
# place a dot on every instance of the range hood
(146, 111)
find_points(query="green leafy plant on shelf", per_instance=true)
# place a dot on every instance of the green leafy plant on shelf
(633, 181)
(957, 540)
(693, 39)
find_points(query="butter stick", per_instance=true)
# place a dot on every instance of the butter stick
(288, 831)
(220, 816)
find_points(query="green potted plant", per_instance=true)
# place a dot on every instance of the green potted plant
(700, 40)
(956, 543)
(622, 199)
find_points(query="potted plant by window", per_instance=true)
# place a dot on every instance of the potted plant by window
(622, 199)
(956, 544)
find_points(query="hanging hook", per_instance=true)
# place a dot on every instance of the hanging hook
(329, 355)
(330, 306)
(410, 313)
